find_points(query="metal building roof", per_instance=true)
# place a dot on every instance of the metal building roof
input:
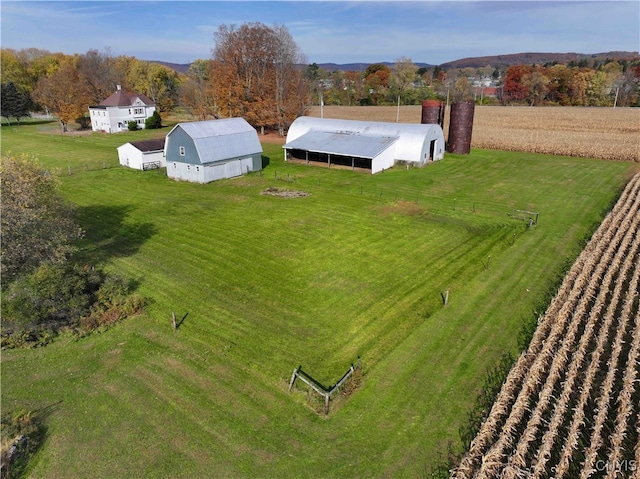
(342, 143)
(412, 141)
(218, 140)
(225, 126)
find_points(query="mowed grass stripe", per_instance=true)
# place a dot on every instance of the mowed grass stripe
(272, 283)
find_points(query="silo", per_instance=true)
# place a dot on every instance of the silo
(433, 112)
(460, 127)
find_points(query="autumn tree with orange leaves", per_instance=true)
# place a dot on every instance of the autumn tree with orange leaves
(255, 75)
(64, 93)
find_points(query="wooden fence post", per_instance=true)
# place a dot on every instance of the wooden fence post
(173, 320)
(293, 378)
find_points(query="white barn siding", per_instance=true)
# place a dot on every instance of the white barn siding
(383, 161)
(415, 143)
(143, 154)
(130, 156)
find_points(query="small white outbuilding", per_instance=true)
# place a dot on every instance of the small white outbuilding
(142, 155)
(368, 145)
(205, 151)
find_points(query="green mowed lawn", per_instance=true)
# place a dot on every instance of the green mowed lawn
(264, 284)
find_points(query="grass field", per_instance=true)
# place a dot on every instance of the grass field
(265, 284)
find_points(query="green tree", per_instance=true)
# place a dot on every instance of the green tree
(54, 295)
(160, 83)
(154, 121)
(37, 224)
(403, 76)
(14, 103)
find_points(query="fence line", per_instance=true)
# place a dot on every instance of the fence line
(326, 393)
(408, 194)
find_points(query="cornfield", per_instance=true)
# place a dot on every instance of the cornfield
(606, 133)
(570, 406)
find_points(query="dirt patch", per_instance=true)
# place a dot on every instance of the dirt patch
(272, 137)
(405, 208)
(281, 193)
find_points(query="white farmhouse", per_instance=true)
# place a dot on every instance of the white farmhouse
(115, 112)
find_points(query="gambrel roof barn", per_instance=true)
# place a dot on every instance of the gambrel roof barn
(204, 151)
(369, 145)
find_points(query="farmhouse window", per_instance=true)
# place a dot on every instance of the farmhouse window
(175, 165)
(182, 151)
(188, 167)
(197, 168)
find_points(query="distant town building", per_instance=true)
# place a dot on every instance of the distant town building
(115, 112)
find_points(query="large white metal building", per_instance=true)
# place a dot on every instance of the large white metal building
(368, 145)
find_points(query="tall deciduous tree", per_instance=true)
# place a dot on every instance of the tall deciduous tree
(376, 78)
(158, 82)
(404, 74)
(64, 93)
(195, 92)
(99, 71)
(255, 75)
(37, 225)
(290, 88)
(536, 84)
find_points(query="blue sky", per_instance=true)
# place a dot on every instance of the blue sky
(335, 31)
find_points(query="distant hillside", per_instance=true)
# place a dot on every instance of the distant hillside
(360, 67)
(537, 59)
(179, 67)
(473, 62)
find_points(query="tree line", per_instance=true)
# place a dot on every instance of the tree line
(259, 72)
(612, 82)
(252, 73)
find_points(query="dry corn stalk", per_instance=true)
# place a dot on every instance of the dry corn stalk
(613, 250)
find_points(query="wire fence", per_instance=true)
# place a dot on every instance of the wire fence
(423, 200)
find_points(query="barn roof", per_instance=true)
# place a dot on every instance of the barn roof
(154, 144)
(218, 140)
(342, 143)
(209, 128)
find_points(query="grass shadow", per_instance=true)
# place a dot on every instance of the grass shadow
(265, 161)
(27, 432)
(108, 234)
